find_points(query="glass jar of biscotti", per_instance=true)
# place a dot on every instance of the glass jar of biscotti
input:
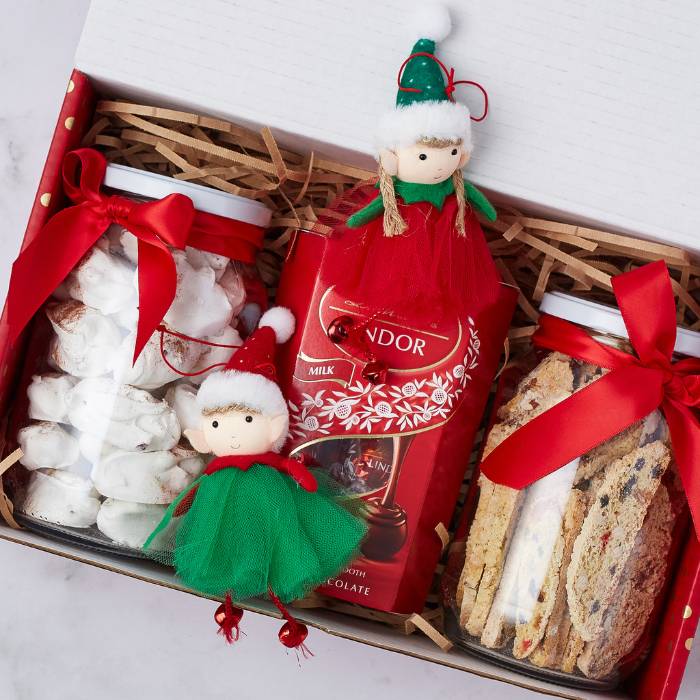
(564, 579)
(101, 434)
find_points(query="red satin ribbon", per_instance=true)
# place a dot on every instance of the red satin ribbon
(171, 222)
(633, 388)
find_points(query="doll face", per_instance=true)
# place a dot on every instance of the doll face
(423, 164)
(237, 432)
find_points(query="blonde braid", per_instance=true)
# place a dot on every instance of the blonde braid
(458, 182)
(394, 225)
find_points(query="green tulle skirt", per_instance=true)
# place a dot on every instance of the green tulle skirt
(249, 531)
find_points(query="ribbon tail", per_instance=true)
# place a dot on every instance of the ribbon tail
(685, 438)
(46, 261)
(157, 285)
(575, 426)
(648, 308)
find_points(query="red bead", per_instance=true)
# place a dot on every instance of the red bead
(293, 634)
(374, 372)
(339, 329)
(235, 616)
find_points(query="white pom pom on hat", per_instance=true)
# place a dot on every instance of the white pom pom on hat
(281, 320)
(430, 20)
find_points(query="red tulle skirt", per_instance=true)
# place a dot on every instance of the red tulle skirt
(429, 268)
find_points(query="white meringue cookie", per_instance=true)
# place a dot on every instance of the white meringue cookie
(232, 283)
(200, 258)
(127, 318)
(200, 307)
(48, 396)
(182, 397)
(140, 477)
(85, 340)
(82, 467)
(189, 460)
(127, 523)
(61, 497)
(93, 447)
(123, 416)
(150, 370)
(215, 355)
(103, 281)
(47, 445)
(122, 242)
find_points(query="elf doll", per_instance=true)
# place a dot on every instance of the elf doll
(255, 523)
(417, 242)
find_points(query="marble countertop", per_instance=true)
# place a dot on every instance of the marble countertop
(68, 630)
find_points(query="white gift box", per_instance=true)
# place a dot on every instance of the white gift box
(592, 119)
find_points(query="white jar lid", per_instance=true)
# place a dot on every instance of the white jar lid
(607, 319)
(206, 199)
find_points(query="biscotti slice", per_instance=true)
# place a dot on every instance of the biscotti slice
(502, 515)
(584, 373)
(497, 629)
(500, 623)
(642, 581)
(550, 382)
(534, 544)
(604, 455)
(546, 658)
(539, 658)
(550, 622)
(608, 534)
(654, 427)
(475, 548)
(574, 646)
(643, 432)
(528, 634)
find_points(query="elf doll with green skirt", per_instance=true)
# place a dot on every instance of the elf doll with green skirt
(255, 523)
(412, 242)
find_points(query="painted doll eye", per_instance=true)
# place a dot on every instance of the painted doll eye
(454, 151)
(249, 419)
(215, 424)
(423, 156)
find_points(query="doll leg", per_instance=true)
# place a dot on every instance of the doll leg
(293, 633)
(228, 617)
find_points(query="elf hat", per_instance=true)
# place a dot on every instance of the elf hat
(425, 107)
(250, 377)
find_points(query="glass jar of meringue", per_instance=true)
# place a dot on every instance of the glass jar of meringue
(563, 579)
(102, 437)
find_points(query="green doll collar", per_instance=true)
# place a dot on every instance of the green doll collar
(412, 192)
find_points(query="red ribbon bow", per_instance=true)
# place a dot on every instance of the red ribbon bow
(633, 388)
(158, 225)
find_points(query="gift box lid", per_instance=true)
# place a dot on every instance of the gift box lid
(593, 106)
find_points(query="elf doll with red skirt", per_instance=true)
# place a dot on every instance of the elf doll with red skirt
(412, 242)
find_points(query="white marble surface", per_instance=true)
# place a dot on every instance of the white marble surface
(71, 631)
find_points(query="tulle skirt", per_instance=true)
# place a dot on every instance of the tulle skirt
(428, 268)
(249, 531)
